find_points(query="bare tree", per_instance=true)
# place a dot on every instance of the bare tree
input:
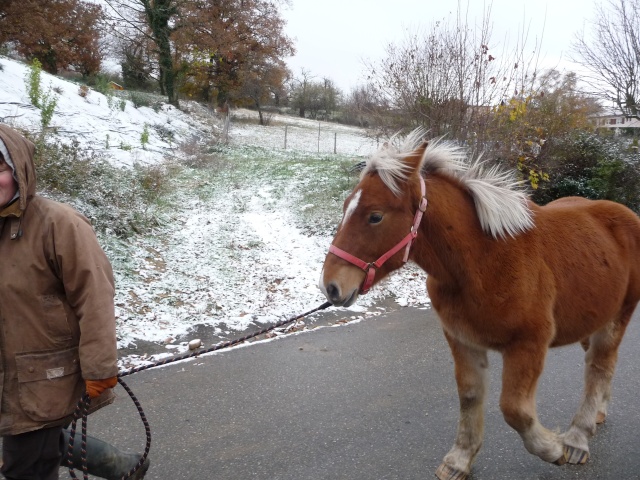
(448, 77)
(155, 20)
(612, 54)
(330, 96)
(260, 84)
(137, 60)
(359, 105)
(300, 91)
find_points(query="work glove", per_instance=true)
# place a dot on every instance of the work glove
(96, 387)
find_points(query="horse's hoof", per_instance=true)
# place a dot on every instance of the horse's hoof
(560, 461)
(600, 418)
(445, 472)
(575, 455)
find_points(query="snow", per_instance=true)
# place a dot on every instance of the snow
(90, 119)
(303, 134)
(234, 259)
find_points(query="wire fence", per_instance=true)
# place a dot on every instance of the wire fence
(323, 137)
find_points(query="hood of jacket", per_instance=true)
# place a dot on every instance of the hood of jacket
(22, 152)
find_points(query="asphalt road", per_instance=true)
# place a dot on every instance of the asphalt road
(365, 401)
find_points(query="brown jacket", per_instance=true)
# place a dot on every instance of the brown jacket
(57, 321)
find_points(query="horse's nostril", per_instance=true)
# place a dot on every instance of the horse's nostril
(333, 292)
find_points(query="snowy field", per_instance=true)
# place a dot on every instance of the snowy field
(238, 252)
(300, 134)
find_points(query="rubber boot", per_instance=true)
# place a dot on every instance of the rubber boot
(103, 460)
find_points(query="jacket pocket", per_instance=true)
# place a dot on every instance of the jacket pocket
(55, 318)
(49, 383)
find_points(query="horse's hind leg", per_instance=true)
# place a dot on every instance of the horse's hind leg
(522, 365)
(471, 377)
(600, 363)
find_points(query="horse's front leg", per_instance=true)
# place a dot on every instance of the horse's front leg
(471, 376)
(523, 363)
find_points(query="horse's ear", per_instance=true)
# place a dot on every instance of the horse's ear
(415, 158)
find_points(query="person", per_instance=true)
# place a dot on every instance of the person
(57, 326)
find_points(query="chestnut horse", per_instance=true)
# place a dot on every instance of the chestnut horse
(502, 273)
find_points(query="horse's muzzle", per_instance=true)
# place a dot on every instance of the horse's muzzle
(337, 298)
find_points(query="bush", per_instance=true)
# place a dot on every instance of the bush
(590, 166)
(48, 103)
(122, 201)
(101, 85)
(45, 101)
(33, 82)
(136, 73)
(144, 137)
(140, 99)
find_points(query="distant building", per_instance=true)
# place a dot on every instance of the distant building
(115, 86)
(617, 123)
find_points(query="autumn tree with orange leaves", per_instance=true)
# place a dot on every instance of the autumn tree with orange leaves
(232, 49)
(61, 34)
(208, 50)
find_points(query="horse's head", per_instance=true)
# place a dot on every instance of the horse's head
(379, 222)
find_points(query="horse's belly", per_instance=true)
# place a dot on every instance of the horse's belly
(575, 325)
(585, 306)
(476, 334)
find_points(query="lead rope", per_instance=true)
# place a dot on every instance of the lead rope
(83, 405)
(81, 411)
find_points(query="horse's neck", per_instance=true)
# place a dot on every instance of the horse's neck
(451, 239)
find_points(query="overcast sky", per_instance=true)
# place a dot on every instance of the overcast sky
(333, 37)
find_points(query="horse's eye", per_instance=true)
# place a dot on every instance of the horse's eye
(375, 218)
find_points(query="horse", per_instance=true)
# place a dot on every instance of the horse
(503, 274)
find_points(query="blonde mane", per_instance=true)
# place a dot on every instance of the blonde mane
(500, 199)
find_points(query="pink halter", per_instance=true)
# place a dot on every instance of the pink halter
(406, 242)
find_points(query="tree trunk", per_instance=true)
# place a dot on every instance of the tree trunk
(222, 98)
(159, 14)
(259, 108)
(166, 69)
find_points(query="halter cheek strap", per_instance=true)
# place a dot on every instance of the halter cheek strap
(406, 242)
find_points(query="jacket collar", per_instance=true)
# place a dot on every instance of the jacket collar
(11, 210)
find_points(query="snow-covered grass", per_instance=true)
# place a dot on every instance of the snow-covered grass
(247, 247)
(248, 229)
(96, 121)
(301, 134)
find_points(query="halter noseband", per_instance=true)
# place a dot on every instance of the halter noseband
(406, 242)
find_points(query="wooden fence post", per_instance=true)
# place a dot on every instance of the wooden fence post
(225, 129)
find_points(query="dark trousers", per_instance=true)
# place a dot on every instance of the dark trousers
(33, 455)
